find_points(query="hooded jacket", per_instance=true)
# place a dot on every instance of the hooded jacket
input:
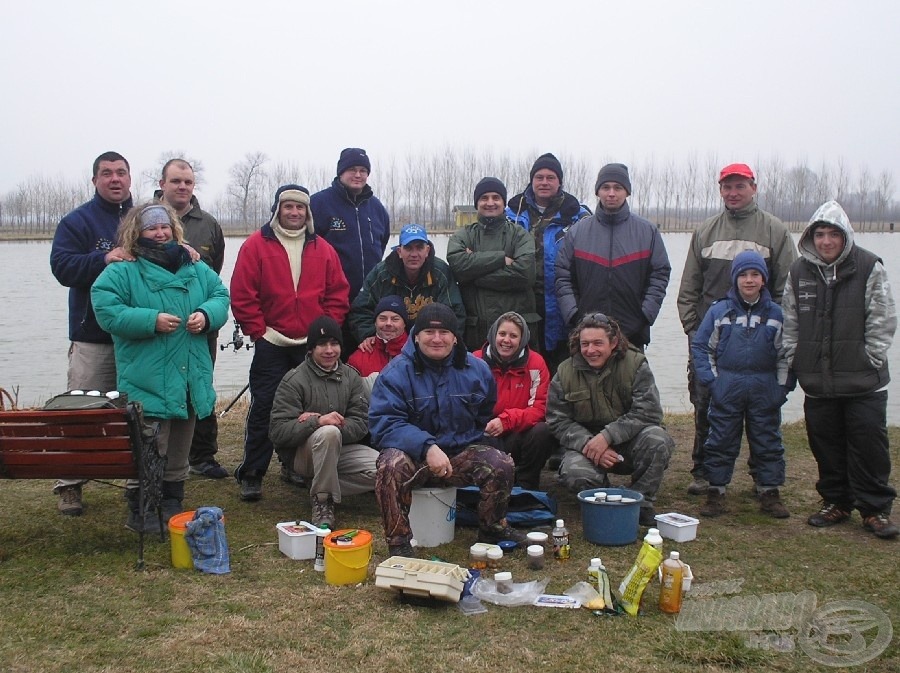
(840, 317)
(417, 402)
(161, 370)
(548, 228)
(262, 287)
(77, 258)
(488, 285)
(615, 263)
(522, 383)
(435, 284)
(714, 244)
(357, 228)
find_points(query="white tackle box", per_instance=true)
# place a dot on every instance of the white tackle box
(414, 577)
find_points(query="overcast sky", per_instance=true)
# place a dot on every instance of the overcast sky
(808, 80)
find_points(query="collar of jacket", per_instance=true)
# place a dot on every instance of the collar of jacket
(266, 231)
(617, 217)
(744, 212)
(335, 373)
(394, 266)
(364, 195)
(492, 222)
(110, 207)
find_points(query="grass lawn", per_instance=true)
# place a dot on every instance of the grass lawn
(70, 599)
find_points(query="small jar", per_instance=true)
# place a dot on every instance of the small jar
(538, 538)
(535, 557)
(600, 496)
(493, 558)
(477, 557)
(504, 582)
(614, 498)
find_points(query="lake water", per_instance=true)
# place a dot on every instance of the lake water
(34, 327)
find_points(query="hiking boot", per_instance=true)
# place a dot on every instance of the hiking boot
(210, 469)
(148, 523)
(698, 487)
(406, 550)
(288, 476)
(251, 489)
(647, 517)
(770, 503)
(70, 500)
(880, 526)
(715, 503)
(830, 514)
(322, 510)
(499, 532)
(172, 498)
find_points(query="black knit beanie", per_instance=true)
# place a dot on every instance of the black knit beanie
(613, 173)
(487, 185)
(547, 161)
(323, 328)
(353, 156)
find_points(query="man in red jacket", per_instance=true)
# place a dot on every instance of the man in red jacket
(376, 351)
(284, 276)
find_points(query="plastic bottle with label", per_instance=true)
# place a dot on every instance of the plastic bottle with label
(593, 572)
(321, 534)
(654, 539)
(562, 549)
(671, 584)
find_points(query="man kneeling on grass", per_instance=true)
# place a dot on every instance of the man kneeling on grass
(429, 408)
(319, 415)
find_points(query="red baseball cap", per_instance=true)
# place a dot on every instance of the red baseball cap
(736, 169)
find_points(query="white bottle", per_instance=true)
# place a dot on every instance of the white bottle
(593, 571)
(653, 538)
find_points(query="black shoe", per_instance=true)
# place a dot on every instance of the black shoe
(647, 517)
(288, 476)
(880, 526)
(499, 532)
(715, 504)
(251, 489)
(405, 550)
(830, 515)
(210, 469)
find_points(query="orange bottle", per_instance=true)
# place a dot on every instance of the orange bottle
(670, 588)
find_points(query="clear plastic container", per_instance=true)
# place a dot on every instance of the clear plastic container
(504, 582)
(477, 557)
(493, 558)
(535, 556)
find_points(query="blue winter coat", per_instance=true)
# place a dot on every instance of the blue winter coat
(359, 231)
(156, 369)
(521, 208)
(417, 403)
(737, 342)
(77, 258)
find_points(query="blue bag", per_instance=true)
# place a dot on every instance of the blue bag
(526, 508)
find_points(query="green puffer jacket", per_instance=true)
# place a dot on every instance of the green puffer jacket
(489, 286)
(619, 400)
(155, 369)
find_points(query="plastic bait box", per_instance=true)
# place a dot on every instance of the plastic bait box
(426, 579)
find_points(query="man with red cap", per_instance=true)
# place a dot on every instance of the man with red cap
(742, 225)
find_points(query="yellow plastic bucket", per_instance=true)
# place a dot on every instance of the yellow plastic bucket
(181, 553)
(347, 562)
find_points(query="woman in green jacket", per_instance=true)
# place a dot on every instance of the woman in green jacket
(159, 310)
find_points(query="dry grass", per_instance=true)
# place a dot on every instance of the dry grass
(71, 600)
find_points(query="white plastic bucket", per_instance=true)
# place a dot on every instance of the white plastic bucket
(432, 515)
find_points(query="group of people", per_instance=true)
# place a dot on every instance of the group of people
(387, 373)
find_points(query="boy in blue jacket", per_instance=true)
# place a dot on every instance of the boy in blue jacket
(738, 355)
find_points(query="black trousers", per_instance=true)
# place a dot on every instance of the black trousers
(848, 437)
(205, 444)
(529, 451)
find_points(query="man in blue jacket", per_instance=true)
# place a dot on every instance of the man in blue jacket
(547, 212)
(351, 218)
(84, 243)
(427, 415)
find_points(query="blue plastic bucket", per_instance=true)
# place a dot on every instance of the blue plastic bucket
(610, 524)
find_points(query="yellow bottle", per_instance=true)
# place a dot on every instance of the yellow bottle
(670, 588)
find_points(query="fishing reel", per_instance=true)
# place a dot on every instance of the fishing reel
(237, 340)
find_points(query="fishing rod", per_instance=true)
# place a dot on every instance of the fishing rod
(237, 343)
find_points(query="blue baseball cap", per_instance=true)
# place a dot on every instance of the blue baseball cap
(413, 232)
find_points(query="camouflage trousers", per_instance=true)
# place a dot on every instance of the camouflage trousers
(646, 459)
(477, 465)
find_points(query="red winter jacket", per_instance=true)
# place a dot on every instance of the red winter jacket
(262, 292)
(521, 393)
(384, 352)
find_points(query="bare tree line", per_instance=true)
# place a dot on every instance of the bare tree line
(425, 186)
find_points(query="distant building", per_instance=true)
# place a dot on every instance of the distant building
(464, 215)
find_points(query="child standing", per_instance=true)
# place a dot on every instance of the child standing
(739, 356)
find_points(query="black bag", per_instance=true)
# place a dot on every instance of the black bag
(526, 508)
(68, 401)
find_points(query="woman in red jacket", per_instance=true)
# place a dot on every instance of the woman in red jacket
(522, 377)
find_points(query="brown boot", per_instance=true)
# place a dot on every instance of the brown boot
(770, 503)
(715, 503)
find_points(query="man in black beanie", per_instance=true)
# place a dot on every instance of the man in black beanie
(492, 259)
(547, 212)
(613, 262)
